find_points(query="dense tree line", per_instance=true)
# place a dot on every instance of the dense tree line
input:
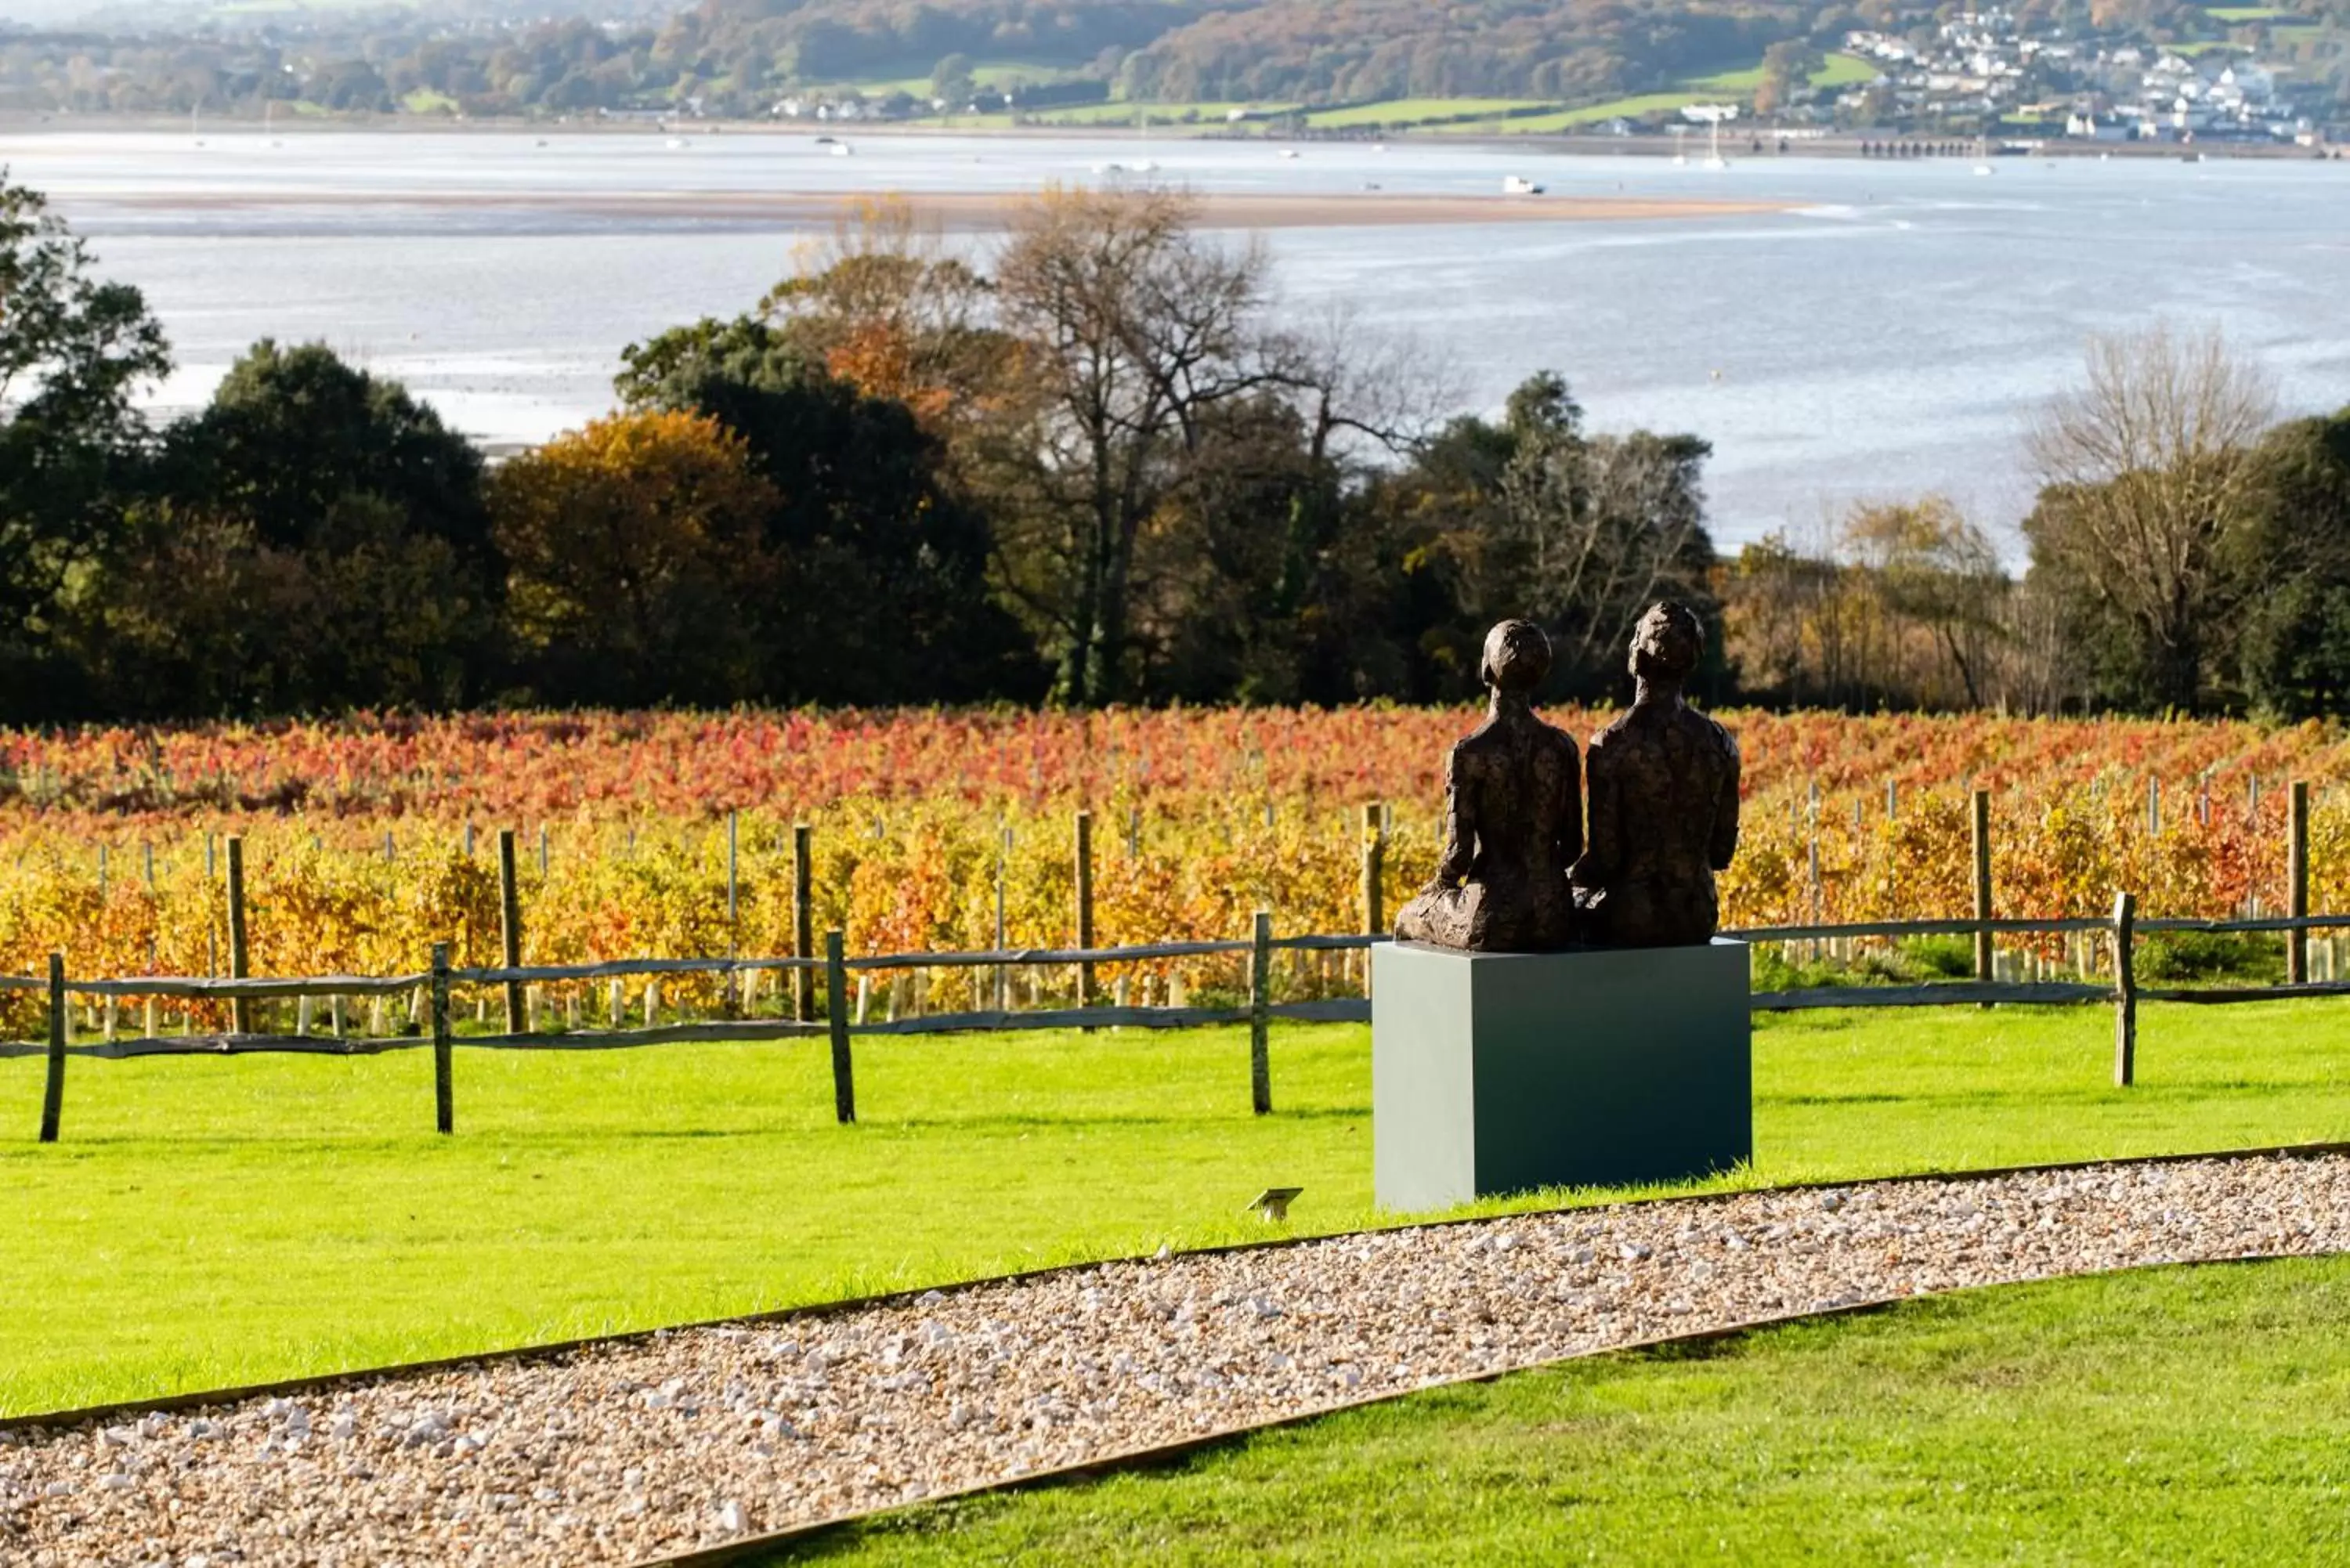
(1096, 470)
(2189, 553)
(1096, 473)
(739, 56)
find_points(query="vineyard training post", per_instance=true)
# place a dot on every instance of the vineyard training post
(510, 928)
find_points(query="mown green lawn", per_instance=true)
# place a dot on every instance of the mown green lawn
(209, 1222)
(2168, 1416)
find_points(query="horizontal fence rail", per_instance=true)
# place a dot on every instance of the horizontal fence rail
(431, 1020)
(1258, 1012)
(282, 988)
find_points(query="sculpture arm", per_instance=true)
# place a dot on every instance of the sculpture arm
(1724, 842)
(1459, 828)
(1570, 813)
(1600, 853)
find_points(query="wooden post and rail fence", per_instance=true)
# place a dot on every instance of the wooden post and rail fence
(839, 1023)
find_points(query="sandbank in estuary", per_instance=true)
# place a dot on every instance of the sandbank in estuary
(972, 210)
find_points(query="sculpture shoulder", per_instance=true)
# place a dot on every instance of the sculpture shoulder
(1612, 736)
(1492, 739)
(1556, 739)
(1713, 731)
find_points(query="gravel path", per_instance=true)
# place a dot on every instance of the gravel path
(623, 1452)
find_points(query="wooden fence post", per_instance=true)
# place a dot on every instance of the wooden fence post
(836, 1010)
(2296, 863)
(2125, 990)
(444, 1088)
(1375, 854)
(1261, 1016)
(1982, 885)
(240, 1010)
(1084, 904)
(803, 924)
(510, 927)
(52, 1091)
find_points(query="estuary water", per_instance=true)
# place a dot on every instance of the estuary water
(1890, 332)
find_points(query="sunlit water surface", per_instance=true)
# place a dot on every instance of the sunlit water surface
(1891, 334)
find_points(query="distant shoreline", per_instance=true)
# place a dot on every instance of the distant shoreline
(991, 210)
(1739, 144)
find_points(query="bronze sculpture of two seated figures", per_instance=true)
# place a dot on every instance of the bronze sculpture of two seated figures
(1521, 873)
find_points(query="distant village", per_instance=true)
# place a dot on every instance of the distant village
(1984, 69)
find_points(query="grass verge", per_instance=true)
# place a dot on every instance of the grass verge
(216, 1222)
(2190, 1415)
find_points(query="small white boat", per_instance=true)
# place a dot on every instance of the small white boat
(1517, 185)
(841, 150)
(1982, 169)
(1289, 152)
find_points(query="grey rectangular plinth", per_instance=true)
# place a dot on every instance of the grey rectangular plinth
(1494, 1072)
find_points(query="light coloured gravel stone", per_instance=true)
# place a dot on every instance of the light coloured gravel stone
(624, 1452)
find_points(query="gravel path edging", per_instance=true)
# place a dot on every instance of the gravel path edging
(748, 1547)
(703, 1444)
(310, 1383)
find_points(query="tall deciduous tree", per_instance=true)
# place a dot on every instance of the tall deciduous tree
(1936, 573)
(74, 351)
(292, 430)
(2294, 565)
(882, 594)
(1537, 517)
(637, 559)
(883, 305)
(2144, 478)
(1136, 330)
(348, 517)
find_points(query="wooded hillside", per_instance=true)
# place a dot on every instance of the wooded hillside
(744, 57)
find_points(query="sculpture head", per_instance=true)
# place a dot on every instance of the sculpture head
(1517, 656)
(1666, 643)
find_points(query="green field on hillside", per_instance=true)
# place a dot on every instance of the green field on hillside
(1485, 117)
(216, 1220)
(1173, 117)
(914, 79)
(2189, 1414)
(1403, 111)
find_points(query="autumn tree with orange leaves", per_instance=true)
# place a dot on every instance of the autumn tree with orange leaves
(881, 304)
(637, 560)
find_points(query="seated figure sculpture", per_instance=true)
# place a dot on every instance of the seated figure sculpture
(1513, 819)
(1663, 782)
